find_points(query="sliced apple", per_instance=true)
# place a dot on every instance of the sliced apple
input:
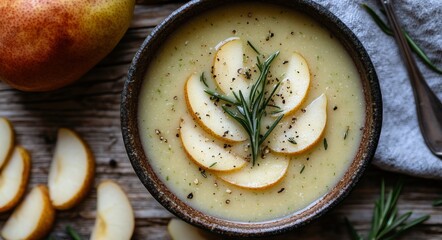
(14, 178)
(115, 218)
(294, 87)
(72, 170)
(33, 218)
(298, 133)
(7, 137)
(228, 67)
(266, 172)
(210, 114)
(205, 150)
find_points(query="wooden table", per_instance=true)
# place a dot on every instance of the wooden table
(92, 107)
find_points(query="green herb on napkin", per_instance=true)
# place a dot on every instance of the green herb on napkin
(437, 203)
(386, 29)
(386, 224)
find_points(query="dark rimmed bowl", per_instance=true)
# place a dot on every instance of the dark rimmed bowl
(142, 167)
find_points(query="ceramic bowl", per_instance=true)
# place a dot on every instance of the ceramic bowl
(140, 161)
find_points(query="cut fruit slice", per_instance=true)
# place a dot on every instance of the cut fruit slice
(33, 218)
(180, 230)
(206, 151)
(115, 218)
(7, 137)
(210, 114)
(267, 172)
(293, 89)
(298, 133)
(228, 67)
(72, 170)
(14, 178)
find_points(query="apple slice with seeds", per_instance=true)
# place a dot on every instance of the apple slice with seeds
(228, 67)
(206, 151)
(72, 170)
(298, 133)
(209, 113)
(267, 172)
(294, 87)
(33, 218)
(115, 217)
(7, 137)
(14, 178)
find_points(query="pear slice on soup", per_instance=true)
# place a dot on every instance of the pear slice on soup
(115, 216)
(33, 218)
(299, 132)
(7, 137)
(294, 87)
(72, 170)
(209, 113)
(265, 173)
(206, 151)
(228, 67)
(14, 178)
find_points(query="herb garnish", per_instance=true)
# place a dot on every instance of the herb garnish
(384, 27)
(302, 169)
(72, 233)
(386, 224)
(203, 79)
(213, 164)
(249, 112)
(437, 203)
(346, 132)
(325, 144)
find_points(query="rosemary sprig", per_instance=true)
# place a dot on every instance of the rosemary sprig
(386, 29)
(249, 112)
(386, 224)
(437, 203)
(72, 233)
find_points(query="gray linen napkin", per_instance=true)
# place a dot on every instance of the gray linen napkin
(401, 147)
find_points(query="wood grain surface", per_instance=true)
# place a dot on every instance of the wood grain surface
(92, 107)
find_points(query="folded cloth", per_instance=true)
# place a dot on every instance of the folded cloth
(401, 147)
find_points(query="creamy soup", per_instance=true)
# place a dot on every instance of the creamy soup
(191, 49)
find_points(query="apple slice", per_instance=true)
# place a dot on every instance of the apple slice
(206, 151)
(72, 170)
(298, 133)
(267, 172)
(228, 67)
(115, 218)
(14, 178)
(210, 114)
(294, 87)
(7, 137)
(33, 218)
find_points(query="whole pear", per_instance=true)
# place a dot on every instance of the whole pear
(47, 44)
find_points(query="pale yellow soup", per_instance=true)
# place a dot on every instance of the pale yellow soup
(270, 28)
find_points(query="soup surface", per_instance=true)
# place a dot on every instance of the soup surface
(191, 49)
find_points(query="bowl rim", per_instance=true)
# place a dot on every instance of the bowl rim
(140, 162)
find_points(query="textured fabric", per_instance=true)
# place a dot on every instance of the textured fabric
(401, 147)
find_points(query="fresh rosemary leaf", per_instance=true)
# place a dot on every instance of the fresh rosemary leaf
(203, 79)
(353, 234)
(386, 223)
(386, 29)
(346, 132)
(253, 47)
(437, 203)
(72, 233)
(325, 144)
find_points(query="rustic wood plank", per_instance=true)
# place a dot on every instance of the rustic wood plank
(91, 106)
